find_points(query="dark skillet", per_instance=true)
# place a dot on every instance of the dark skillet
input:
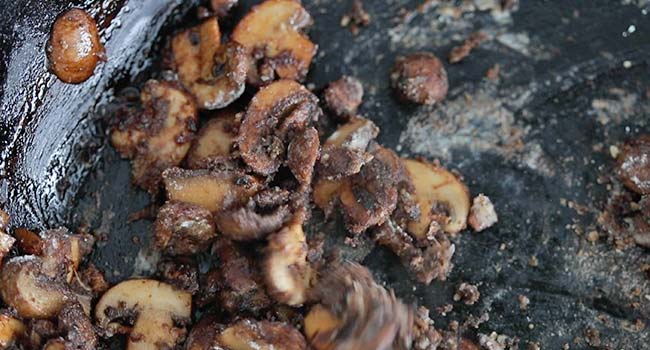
(58, 170)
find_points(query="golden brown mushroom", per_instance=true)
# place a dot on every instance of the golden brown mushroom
(276, 47)
(183, 229)
(74, 49)
(157, 309)
(158, 137)
(214, 141)
(250, 334)
(11, 329)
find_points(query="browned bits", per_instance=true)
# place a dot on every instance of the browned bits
(302, 153)
(634, 164)
(74, 49)
(343, 97)
(357, 17)
(28, 242)
(180, 273)
(482, 214)
(467, 293)
(221, 8)
(183, 229)
(271, 34)
(420, 78)
(459, 53)
(80, 330)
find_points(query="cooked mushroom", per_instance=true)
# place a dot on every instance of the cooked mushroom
(215, 74)
(435, 186)
(11, 329)
(276, 47)
(26, 288)
(237, 283)
(157, 308)
(55, 344)
(246, 224)
(420, 78)
(214, 141)
(343, 97)
(180, 273)
(74, 49)
(356, 313)
(62, 252)
(250, 334)
(4, 220)
(6, 242)
(80, 333)
(634, 164)
(356, 134)
(273, 113)
(302, 153)
(203, 335)
(213, 190)
(288, 273)
(370, 196)
(158, 137)
(183, 229)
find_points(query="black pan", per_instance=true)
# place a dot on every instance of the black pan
(574, 80)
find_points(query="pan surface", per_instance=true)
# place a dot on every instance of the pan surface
(574, 79)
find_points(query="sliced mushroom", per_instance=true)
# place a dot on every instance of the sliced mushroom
(355, 134)
(62, 252)
(28, 242)
(271, 34)
(273, 113)
(325, 192)
(237, 284)
(156, 306)
(355, 312)
(302, 153)
(26, 288)
(261, 335)
(158, 137)
(181, 273)
(55, 344)
(74, 49)
(203, 335)
(214, 73)
(183, 229)
(245, 224)
(288, 273)
(80, 333)
(369, 197)
(11, 329)
(214, 141)
(211, 189)
(436, 186)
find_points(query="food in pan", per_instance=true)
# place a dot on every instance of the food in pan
(234, 177)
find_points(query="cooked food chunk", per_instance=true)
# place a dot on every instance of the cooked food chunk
(343, 97)
(156, 309)
(276, 111)
(214, 141)
(213, 190)
(370, 196)
(183, 229)
(249, 334)
(482, 214)
(11, 330)
(420, 78)
(288, 273)
(214, 73)
(74, 49)
(158, 137)
(440, 195)
(271, 33)
(634, 164)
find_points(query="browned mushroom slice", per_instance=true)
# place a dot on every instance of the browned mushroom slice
(55, 344)
(435, 187)
(28, 242)
(325, 193)
(355, 134)
(214, 141)
(427, 263)
(183, 229)
(271, 34)
(246, 224)
(27, 289)
(237, 283)
(156, 308)
(287, 271)
(302, 153)
(370, 196)
(80, 330)
(159, 136)
(355, 312)
(250, 334)
(214, 73)
(210, 189)
(274, 111)
(203, 335)
(11, 329)
(343, 97)
(63, 252)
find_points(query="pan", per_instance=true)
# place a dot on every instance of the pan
(572, 79)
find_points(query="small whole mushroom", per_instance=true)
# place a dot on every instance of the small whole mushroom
(420, 78)
(74, 49)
